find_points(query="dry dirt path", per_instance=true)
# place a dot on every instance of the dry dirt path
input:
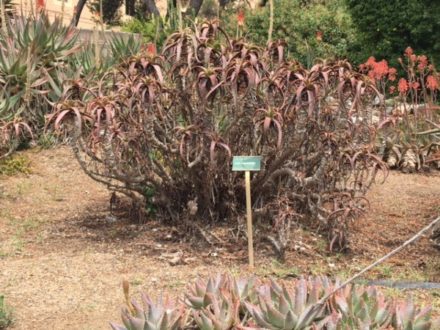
(62, 258)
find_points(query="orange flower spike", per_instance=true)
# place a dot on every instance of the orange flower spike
(415, 85)
(151, 49)
(241, 17)
(371, 61)
(423, 62)
(409, 51)
(319, 35)
(432, 83)
(392, 72)
(403, 86)
(40, 5)
(380, 69)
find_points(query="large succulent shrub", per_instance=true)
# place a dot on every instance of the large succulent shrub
(223, 303)
(162, 128)
(33, 53)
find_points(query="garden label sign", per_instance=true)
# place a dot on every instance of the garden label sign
(247, 164)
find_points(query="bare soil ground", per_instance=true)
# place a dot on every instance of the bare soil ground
(63, 255)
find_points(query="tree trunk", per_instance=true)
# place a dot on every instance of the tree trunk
(194, 7)
(130, 8)
(77, 14)
(223, 3)
(151, 7)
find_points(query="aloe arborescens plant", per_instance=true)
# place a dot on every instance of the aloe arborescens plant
(163, 127)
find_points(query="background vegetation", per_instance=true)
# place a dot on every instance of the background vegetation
(5, 314)
(385, 27)
(311, 29)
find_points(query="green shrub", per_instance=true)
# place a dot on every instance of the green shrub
(14, 165)
(47, 140)
(151, 29)
(5, 314)
(388, 26)
(300, 24)
(223, 303)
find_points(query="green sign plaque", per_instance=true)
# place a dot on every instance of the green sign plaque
(246, 163)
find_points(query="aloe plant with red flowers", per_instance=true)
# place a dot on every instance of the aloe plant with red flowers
(409, 120)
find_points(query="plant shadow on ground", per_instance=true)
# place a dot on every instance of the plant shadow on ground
(307, 256)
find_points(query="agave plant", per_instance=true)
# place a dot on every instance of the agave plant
(33, 56)
(121, 48)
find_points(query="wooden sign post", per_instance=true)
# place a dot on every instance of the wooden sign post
(247, 164)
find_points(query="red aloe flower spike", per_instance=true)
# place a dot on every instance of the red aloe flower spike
(319, 35)
(423, 62)
(241, 17)
(415, 85)
(392, 72)
(40, 5)
(151, 49)
(432, 83)
(403, 86)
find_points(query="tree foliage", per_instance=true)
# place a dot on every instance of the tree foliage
(312, 29)
(387, 26)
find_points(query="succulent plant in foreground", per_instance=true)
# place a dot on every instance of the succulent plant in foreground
(361, 308)
(282, 308)
(163, 315)
(407, 317)
(201, 292)
(225, 303)
(221, 314)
